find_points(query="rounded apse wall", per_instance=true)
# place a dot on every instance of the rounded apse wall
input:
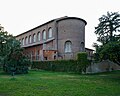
(72, 30)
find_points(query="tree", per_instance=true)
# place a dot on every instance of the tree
(3, 41)
(110, 51)
(108, 27)
(12, 57)
(108, 34)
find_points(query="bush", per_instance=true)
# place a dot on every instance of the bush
(16, 66)
(61, 65)
(76, 66)
(82, 59)
(12, 57)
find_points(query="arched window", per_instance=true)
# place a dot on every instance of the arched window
(44, 35)
(30, 39)
(23, 42)
(68, 46)
(38, 36)
(82, 46)
(34, 38)
(50, 33)
(20, 41)
(26, 40)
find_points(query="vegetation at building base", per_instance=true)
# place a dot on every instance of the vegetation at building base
(109, 51)
(108, 35)
(76, 66)
(12, 58)
(83, 61)
(46, 83)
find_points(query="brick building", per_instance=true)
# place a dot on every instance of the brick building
(61, 38)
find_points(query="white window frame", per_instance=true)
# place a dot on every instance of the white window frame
(26, 40)
(44, 35)
(68, 47)
(34, 37)
(30, 39)
(38, 36)
(20, 41)
(23, 41)
(50, 33)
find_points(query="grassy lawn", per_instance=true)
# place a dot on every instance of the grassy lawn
(44, 83)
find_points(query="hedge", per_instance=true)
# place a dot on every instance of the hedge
(61, 65)
(77, 66)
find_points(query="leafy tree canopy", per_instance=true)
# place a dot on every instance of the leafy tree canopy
(108, 28)
(108, 34)
(109, 51)
(11, 54)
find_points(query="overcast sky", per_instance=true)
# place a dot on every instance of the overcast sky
(18, 16)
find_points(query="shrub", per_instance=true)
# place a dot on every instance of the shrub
(76, 66)
(12, 57)
(16, 66)
(83, 61)
(59, 65)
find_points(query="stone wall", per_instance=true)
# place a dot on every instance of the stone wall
(103, 66)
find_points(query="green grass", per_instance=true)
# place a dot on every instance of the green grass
(44, 83)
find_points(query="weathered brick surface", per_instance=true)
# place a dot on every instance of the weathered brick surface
(71, 30)
(64, 29)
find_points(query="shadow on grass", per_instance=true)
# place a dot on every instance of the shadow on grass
(113, 76)
(2, 94)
